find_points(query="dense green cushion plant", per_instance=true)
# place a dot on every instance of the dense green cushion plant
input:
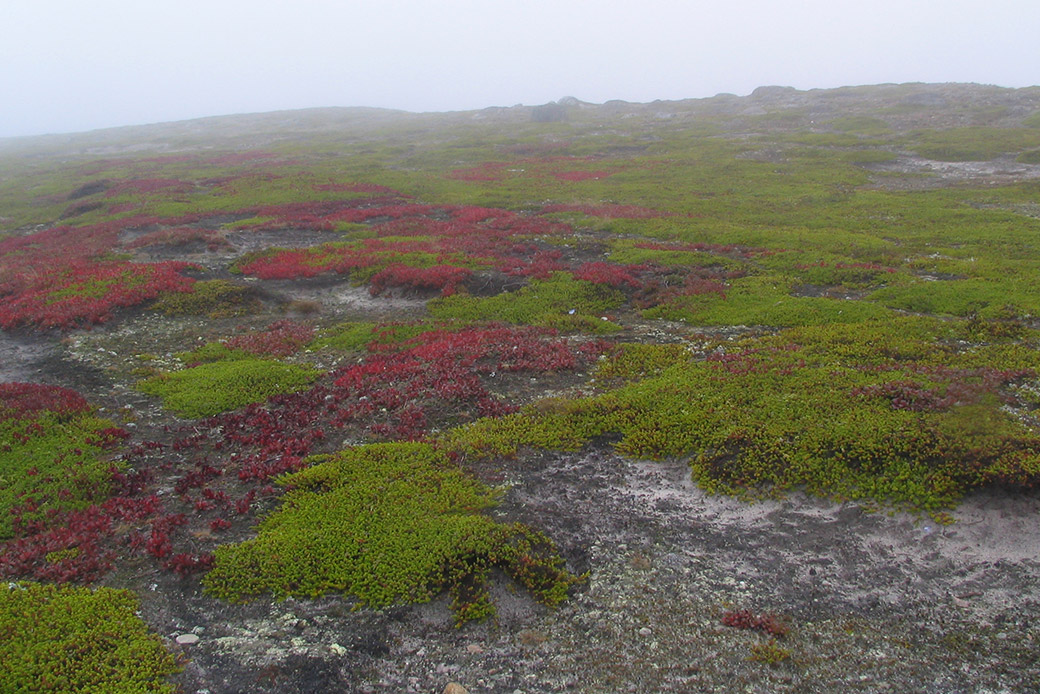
(54, 453)
(65, 639)
(880, 411)
(542, 302)
(209, 389)
(386, 523)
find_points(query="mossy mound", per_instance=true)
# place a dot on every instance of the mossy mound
(387, 523)
(216, 387)
(64, 639)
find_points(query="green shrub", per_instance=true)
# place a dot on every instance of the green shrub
(878, 411)
(637, 361)
(766, 301)
(387, 523)
(346, 337)
(1031, 156)
(213, 298)
(211, 351)
(973, 143)
(1033, 120)
(859, 125)
(58, 462)
(540, 303)
(64, 639)
(959, 297)
(210, 389)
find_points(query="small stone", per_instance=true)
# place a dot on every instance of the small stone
(337, 649)
(455, 688)
(474, 648)
(646, 631)
(187, 639)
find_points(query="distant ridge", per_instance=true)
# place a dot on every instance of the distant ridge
(960, 104)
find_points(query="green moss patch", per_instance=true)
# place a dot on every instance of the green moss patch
(543, 302)
(213, 298)
(765, 301)
(210, 389)
(62, 639)
(54, 454)
(878, 411)
(363, 336)
(387, 523)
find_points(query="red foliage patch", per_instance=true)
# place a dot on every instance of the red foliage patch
(745, 619)
(731, 250)
(946, 387)
(281, 339)
(28, 400)
(453, 235)
(581, 175)
(609, 274)
(445, 278)
(144, 186)
(396, 394)
(180, 236)
(534, 167)
(53, 278)
(356, 188)
(84, 293)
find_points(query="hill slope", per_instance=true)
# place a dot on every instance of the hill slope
(615, 388)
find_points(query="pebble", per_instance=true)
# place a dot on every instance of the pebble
(455, 688)
(474, 648)
(646, 631)
(187, 639)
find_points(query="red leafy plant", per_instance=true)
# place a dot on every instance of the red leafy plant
(745, 619)
(282, 338)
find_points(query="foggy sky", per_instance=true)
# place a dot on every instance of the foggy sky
(73, 65)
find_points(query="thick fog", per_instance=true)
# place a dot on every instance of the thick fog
(69, 65)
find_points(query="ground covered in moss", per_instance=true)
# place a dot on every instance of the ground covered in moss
(727, 394)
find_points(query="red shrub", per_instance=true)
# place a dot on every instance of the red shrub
(745, 619)
(179, 237)
(445, 278)
(83, 293)
(609, 273)
(143, 186)
(581, 175)
(282, 338)
(27, 400)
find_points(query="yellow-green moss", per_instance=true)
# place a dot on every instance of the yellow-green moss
(209, 389)
(64, 639)
(57, 462)
(387, 523)
(878, 411)
(213, 298)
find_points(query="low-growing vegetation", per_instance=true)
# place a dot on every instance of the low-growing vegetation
(54, 453)
(387, 523)
(208, 389)
(64, 639)
(297, 368)
(878, 411)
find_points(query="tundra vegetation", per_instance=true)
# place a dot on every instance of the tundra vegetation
(785, 298)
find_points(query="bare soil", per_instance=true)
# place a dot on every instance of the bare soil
(874, 602)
